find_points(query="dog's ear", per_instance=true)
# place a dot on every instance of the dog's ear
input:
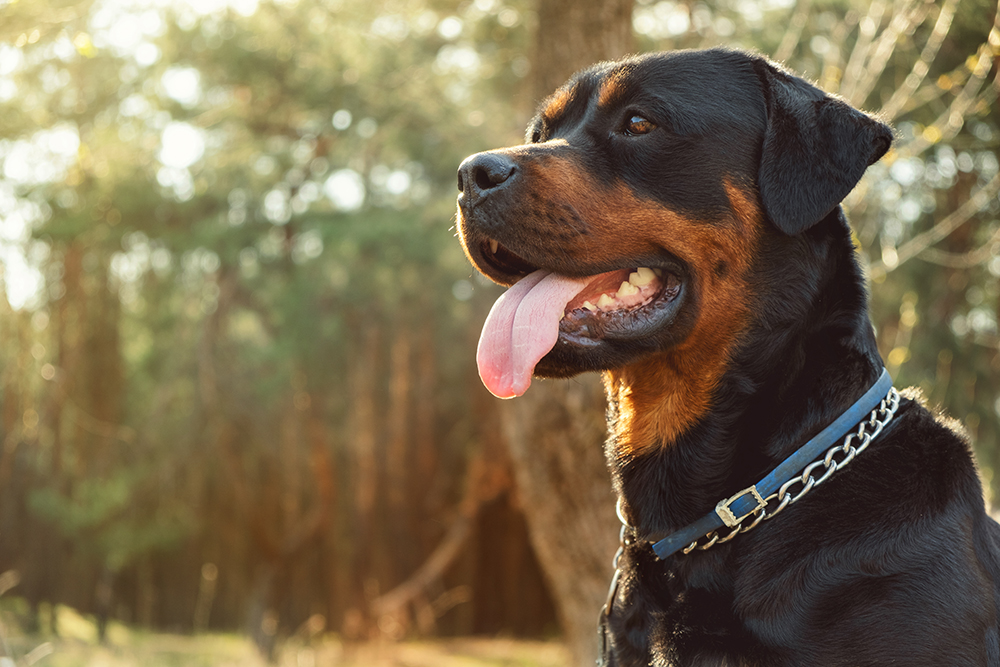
(815, 150)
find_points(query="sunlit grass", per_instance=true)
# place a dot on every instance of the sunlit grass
(154, 650)
(76, 646)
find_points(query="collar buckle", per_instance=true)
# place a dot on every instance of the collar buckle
(739, 506)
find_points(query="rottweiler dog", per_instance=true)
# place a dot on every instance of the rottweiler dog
(674, 221)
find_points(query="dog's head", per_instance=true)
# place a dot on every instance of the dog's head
(630, 219)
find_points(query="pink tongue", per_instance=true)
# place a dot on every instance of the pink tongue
(521, 329)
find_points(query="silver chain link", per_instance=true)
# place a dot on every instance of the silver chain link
(836, 458)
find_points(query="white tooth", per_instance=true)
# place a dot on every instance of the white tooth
(493, 246)
(589, 306)
(627, 289)
(605, 301)
(642, 277)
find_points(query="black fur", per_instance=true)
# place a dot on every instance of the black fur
(815, 150)
(893, 561)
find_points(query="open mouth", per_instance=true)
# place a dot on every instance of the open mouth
(545, 308)
(503, 260)
(615, 304)
(619, 304)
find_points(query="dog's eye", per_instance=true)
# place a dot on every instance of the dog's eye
(637, 125)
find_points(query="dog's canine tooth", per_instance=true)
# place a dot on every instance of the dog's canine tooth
(494, 246)
(642, 276)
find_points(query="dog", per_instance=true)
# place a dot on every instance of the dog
(674, 220)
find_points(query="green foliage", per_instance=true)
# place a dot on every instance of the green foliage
(100, 514)
(236, 210)
(216, 224)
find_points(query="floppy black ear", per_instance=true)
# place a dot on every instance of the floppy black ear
(815, 150)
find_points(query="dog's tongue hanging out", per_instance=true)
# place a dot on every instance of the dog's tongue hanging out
(521, 329)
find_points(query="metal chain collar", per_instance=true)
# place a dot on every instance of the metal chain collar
(867, 430)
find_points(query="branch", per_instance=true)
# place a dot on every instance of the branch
(8, 580)
(99, 427)
(961, 260)
(991, 341)
(832, 75)
(867, 27)
(309, 525)
(927, 93)
(484, 483)
(794, 31)
(916, 76)
(948, 124)
(925, 240)
(904, 22)
(432, 569)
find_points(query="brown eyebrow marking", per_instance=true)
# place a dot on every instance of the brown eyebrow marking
(613, 88)
(557, 104)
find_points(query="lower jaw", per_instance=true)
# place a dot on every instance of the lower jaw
(569, 358)
(581, 348)
(591, 331)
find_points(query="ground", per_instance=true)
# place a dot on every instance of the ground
(76, 646)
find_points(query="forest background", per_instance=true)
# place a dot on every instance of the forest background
(237, 379)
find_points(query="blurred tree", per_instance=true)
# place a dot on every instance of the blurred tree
(555, 432)
(572, 35)
(232, 239)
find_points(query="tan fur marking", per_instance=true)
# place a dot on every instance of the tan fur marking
(610, 91)
(556, 104)
(661, 397)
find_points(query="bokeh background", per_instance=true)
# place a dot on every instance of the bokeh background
(238, 396)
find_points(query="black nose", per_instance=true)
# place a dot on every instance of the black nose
(483, 172)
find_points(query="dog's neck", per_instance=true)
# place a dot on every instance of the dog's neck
(681, 438)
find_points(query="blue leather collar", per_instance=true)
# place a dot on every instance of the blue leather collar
(746, 502)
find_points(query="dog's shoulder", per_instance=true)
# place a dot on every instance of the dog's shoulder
(936, 446)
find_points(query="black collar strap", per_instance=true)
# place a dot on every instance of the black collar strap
(732, 511)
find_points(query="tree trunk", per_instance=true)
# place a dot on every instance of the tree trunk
(556, 431)
(573, 34)
(555, 434)
(365, 429)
